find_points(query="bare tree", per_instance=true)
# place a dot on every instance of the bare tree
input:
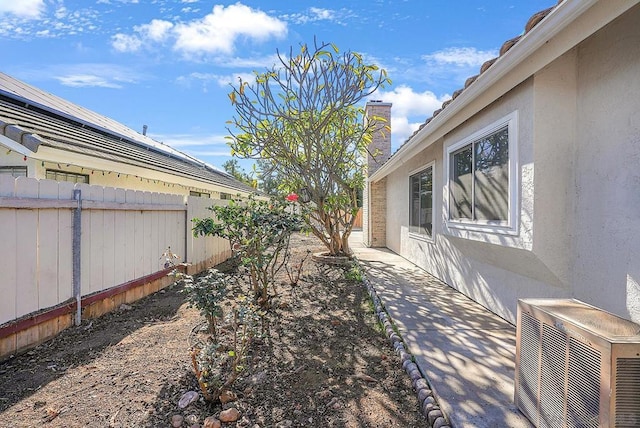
(303, 117)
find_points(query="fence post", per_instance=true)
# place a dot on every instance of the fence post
(77, 230)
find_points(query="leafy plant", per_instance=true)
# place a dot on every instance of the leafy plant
(217, 367)
(258, 232)
(206, 294)
(302, 119)
(354, 272)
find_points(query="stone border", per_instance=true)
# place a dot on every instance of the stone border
(428, 403)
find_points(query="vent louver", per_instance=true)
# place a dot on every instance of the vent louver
(576, 365)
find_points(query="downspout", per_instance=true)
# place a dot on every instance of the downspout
(76, 255)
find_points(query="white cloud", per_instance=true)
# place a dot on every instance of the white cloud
(183, 141)
(220, 80)
(219, 30)
(315, 14)
(84, 80)
(126, 43)
(215, 33)
(29, 9)
(157, 30)
(93, 75)
(462, 57)
(409, 110)
(189, 1)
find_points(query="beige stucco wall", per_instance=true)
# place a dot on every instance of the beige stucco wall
(103, 172)
(579, 190)
(607, 164)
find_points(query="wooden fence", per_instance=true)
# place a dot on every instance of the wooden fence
(120, 238)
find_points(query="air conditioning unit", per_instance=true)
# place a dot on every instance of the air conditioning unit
(576, 365)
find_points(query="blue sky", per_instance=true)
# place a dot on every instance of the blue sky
(168, 64)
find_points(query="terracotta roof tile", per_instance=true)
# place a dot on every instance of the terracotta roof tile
(531, 23)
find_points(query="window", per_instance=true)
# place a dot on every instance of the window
(421, 202)
(482, 177)
(53, 174)
(199, 194)
(15, 171)
(225, 196)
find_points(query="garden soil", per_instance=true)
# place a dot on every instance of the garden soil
(324, 361)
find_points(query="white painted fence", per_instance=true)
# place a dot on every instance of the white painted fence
(123, 236)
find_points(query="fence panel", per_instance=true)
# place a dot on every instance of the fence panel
(203, 248)
(27, 249)
(8, 253)
(65, 247)
(123, 236)
(47, 231)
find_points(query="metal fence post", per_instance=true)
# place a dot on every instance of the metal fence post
(77, 231)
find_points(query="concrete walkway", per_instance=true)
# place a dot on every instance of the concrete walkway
(466, 353)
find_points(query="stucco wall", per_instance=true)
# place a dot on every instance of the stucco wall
(579, 191)
(493, 269)
(607, 211)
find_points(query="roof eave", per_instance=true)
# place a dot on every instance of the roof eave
(557, 20)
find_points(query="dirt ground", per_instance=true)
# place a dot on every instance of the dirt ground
(324, 362)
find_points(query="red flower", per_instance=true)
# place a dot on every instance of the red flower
(292, 197)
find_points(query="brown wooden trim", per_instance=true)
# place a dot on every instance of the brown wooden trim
(69, 306)
(110, 292)
(33, 320)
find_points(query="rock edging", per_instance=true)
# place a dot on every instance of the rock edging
(428, 403)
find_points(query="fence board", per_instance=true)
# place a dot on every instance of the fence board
(147, 229)
(108, 241)
(96, 281)
(27, 250)
(130, 237)
(9, 258)
(138, 232)
(65, 241)
(155, 240)
(120, 231)
(47, 250)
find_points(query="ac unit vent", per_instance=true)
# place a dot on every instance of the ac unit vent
(576, 365)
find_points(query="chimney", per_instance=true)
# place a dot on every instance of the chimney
(380, 146)
(144, 129)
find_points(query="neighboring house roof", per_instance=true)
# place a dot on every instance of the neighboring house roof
(512, 54)
(34, 118)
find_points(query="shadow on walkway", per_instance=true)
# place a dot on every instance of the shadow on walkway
(466, 353)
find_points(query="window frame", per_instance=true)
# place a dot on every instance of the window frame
(417, 235)
(66, 173)
(511, 225)
(12, 170)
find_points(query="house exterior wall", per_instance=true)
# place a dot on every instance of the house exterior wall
(607, 164)
(578, 144)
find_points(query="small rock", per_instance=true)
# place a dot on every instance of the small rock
(192, 420)
(284, 424)
(366, 378)
(187, 398)
(229, 415)
(211, 422)
(176, 421)
(257, 378)
(125, 307)
(334, 403)
(325, 393)
(228, 396)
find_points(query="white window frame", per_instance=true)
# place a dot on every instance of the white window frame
(509, 227)
(421, 236)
